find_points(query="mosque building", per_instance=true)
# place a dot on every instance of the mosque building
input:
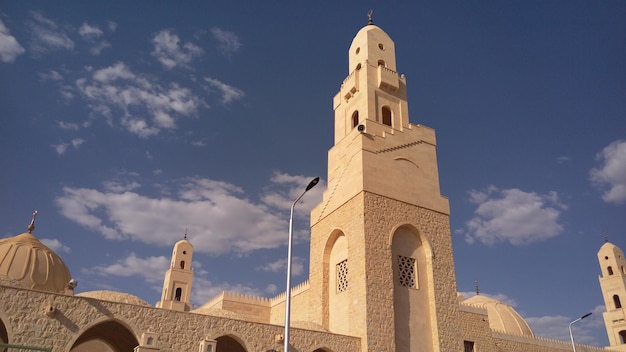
(381, 277)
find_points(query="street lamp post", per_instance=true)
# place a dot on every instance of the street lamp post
(571, 336)
(288, 291)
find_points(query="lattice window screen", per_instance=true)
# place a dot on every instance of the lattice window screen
(407, 273)
(342, 276)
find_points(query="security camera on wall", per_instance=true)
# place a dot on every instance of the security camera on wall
(361, 128)
(72, 284)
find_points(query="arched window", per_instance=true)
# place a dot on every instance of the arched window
(622, 335)
(617, 302)
(355, 118)
(358, 66)
(381, 63)
(610, 270)
(386, 116)
(179, 293)
(182, 264)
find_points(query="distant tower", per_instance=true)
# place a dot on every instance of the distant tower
(613, 285)
(381, 252)
(178, 279)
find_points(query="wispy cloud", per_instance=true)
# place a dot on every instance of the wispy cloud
(219, 216)
(93, 35)
(229, 93)
(9, 46)
(557, 327)
(170, 52)
(151, 269)
(297, 266)
(62, 147)
(285, 188)
(55, 245)
(47, 35)
(229, 42)
(116, 90)
(611, 175)
(513, 216)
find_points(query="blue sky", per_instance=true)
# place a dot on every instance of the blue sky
(127, 124)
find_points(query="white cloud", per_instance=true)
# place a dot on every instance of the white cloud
(297, 266)
(514, 216)
(68, 125)
(90, 32)
(55, 245)
(611, 175)
(218, 216)
(286, 188)
(120, 187)
(9, 46)
(229, 42)
(151, 269)
(229, 93)
(51, 75)
(61, 148)
(144, 107)
(557, 327)
(47, 35)
(169, 51)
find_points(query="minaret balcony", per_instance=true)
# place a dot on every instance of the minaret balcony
(388, 78)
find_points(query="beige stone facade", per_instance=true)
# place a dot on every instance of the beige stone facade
(381, 277)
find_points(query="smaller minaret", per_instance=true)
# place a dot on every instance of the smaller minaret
(178, 278)
(613, 285)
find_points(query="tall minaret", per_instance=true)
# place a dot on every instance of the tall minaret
(178, 278)
(381, 251)
(613, 285)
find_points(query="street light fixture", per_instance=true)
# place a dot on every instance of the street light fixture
(288, 291)
(570, 330)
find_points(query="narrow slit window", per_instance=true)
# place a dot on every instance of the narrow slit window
(386, 115)
(355, 118)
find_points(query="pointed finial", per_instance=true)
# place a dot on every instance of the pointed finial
(476, 286)
(185, 233)
(369, 17)
(31, 226)
(606, 238)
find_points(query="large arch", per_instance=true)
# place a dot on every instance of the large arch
(5, 331)
(229, 343)
(336, 283)
(106, 336)
(412, 288)
(4, 335)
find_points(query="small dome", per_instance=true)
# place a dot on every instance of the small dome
(502, 317)
(114, 296)
(26, 260)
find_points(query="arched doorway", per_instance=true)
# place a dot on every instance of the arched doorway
(109, 336)
(4, 335)
(228, 344)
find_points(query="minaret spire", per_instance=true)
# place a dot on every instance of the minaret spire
(31, 226)
(369, 17)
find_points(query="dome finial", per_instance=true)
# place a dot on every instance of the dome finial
(31, 226)
(185, 233)
(476, 287)
(369, 17)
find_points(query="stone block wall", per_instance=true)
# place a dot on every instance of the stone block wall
(22, 312)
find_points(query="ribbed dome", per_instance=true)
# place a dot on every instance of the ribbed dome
(26, 260)
(502, 317)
